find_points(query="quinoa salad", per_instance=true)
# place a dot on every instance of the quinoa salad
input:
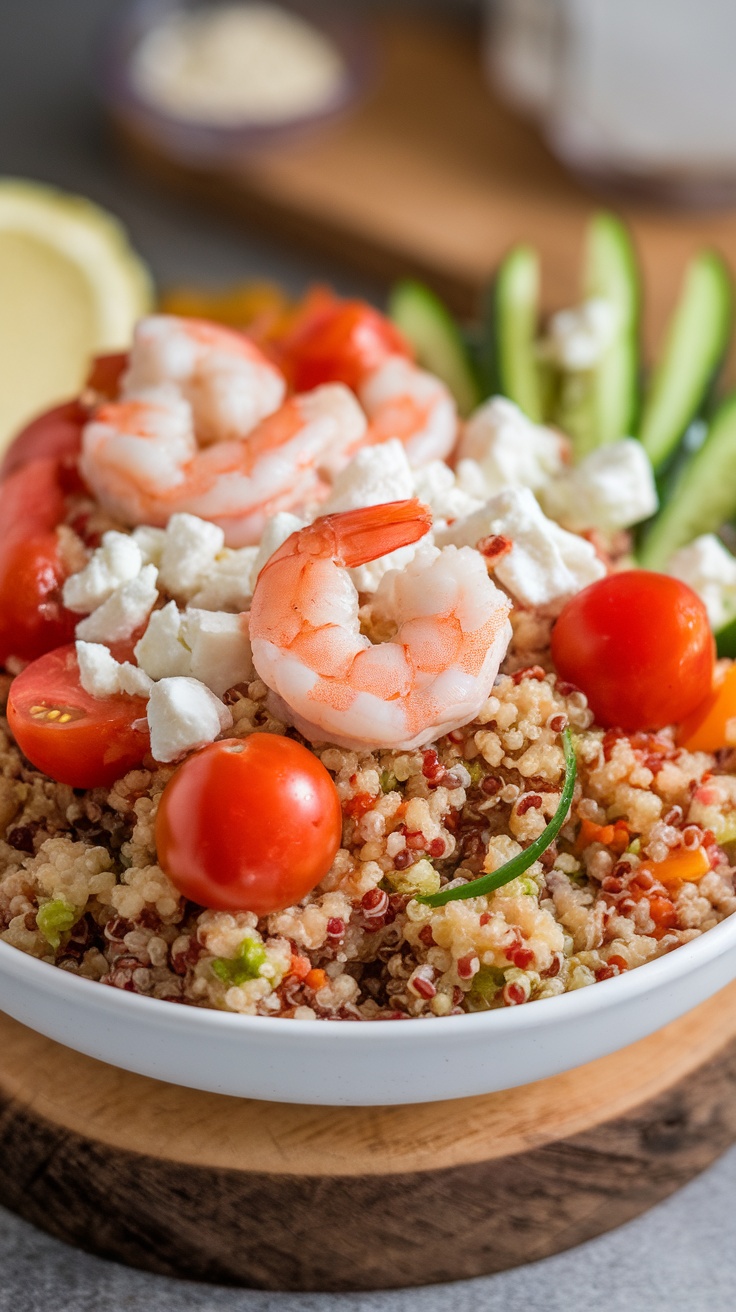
(268, 560)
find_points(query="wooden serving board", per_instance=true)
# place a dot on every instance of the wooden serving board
(302, 1198)
(432, 176)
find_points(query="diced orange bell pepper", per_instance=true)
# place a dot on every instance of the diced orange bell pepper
(708, 727)
(614, 836)
(684, 866)
(316, 979)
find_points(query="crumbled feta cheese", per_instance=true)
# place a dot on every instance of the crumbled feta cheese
(610, 489)
(229, 584)
(436, 485)
(710, 570)
(276, 532)
(162, 652)
(123, 612)
(509, 450)
(220, 649)
(102, 676)
(546, 564)
(577, 339)
(376, 474)
(150, 542)
(189, 553)
(117, 560)
(184, 714)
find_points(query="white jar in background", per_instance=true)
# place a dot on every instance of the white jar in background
(635, 92)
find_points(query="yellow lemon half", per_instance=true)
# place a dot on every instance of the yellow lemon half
(70, 287)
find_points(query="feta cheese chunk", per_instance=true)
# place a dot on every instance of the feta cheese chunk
(436, 485)
(117, 560)
(162, 652)
(189, 553)
(124, 611)
(102, 676)
(150, 542)
(508, 449)
(577, 339)
(184, 714)
(376, 474)
(710, 570)
(546, 564)
(229, 584)
(276, 532)
(220, 649)
(610, 489)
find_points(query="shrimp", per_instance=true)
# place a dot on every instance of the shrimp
(404, 401)
(228, 382)
(450, 623)
(141, 458)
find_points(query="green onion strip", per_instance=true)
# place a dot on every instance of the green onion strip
(518, 864)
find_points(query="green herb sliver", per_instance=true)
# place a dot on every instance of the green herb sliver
(518, 864)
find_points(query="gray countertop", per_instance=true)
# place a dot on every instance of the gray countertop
(682, 1254)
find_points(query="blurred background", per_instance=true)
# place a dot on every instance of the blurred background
(451, 129)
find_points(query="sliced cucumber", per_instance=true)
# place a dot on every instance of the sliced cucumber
(704, 495)
(612, 272)
(726, 639)
(437, 340)
(514, 315)
(696, 342)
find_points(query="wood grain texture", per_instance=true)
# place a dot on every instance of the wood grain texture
(432, 176)
(283, 1197)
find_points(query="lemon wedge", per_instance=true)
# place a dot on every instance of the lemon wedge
(70, 287)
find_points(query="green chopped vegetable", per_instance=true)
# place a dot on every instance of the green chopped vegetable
(246, 965)
(488, 982)
(388, 781)
(56, 918)
(518, 864)
(476, 772)
(437, 340)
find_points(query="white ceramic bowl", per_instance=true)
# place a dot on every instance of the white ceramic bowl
(370, 1064)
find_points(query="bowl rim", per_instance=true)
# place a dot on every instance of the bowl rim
(580, 1003)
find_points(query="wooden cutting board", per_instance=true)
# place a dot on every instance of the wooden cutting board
(284, 1197)
(432, 176)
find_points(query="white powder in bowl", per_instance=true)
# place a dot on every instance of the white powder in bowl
(237, 64)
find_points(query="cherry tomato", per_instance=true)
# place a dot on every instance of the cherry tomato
(56, 433)
(71, 736)
(33, 618)
(105, 373)
(249, 824)
(639, 646)
(339, 343)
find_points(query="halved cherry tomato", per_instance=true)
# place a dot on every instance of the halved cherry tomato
(33, 618)
(56, 433)
(639, 646)
(713, 723)
(249, 824)
(71, 736)
(339, 342)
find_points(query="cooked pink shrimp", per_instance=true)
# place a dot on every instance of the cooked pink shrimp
(451, 621)
(142, 460)
(404, 401)
(229, 383)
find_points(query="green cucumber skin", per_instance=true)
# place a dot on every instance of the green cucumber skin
(704, 495)
(431, 330)
(514, 316)
(726, 640)
(696, 343)
(612, 272)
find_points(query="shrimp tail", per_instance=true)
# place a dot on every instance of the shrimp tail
(355, 537)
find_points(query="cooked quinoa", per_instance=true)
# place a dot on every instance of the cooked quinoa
(80, 886)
